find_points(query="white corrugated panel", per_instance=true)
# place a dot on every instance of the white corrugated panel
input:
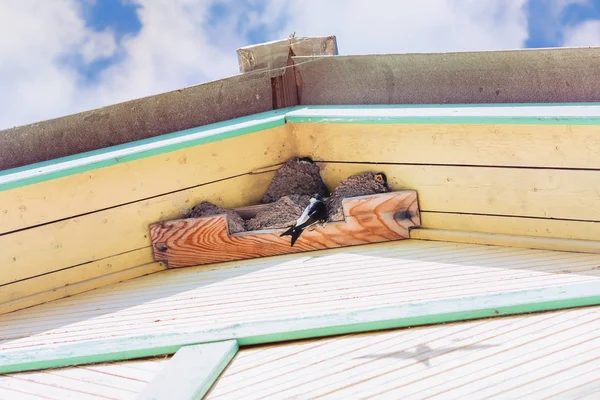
(119, 380)
(301, 285)
(538, 356)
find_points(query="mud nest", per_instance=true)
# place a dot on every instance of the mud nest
(298, 176)
(280, 214)
(207, 209)
(355, 185)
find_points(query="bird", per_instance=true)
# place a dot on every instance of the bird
(315, 212)
(356, 185)
(298, 176)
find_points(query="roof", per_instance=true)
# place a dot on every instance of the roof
(508, 204)
(517, 76)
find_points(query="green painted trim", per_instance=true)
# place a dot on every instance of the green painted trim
(388, 317)
(446, 120)
(191, 372)
(392, 114)
(369, 114)
(53, 169)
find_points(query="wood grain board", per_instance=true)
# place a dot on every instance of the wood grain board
(368, 219)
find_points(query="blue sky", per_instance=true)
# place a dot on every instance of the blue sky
(64, 56)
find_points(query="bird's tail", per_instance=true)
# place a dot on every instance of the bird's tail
(288, 232)
(294, 232)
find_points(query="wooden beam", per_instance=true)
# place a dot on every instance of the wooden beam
(529, 242)
(273, 56)
(191, 372)
(326, 324)
(513, 76)
(368, 219)
(144, 118)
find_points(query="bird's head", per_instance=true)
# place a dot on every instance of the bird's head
(316, 197)
(381, 178)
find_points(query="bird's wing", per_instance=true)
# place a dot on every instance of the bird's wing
(304, 217)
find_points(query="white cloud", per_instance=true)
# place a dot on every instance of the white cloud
(583, 35)
(399, 26)
(177, 48)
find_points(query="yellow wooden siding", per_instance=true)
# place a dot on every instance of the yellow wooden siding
(529, 180)
(530, 145)
(469, 177)
(346, 279)
(563, 194)
(140, 179)
(118, 380)
(537, 356)
(517, 226)
(84, 248)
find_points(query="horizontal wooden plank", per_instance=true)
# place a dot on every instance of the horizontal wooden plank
(528, 242)
(81, 186)
(533, 356)
(147, 117)
(514, 226)
(544, 193)
(328, 324)
(70, 276)
(63, 289)
(508, 76)
(556, 146)
(118, 230)
(191, 372)
(368, 219)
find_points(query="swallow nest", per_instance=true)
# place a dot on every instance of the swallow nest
(280, 214)
(207, 209)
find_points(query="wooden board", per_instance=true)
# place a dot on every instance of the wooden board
(490, 144)
(111, 232)
(368, 219)
(129, 180)
(513, 226)
(191, 372)
(521, 192)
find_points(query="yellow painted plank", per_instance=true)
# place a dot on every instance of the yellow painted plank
(62, 291)
(114, 231)
(529, 242)
(563, 194)
(75, 275)
(550, 228)
(573, 146)
(143, 178)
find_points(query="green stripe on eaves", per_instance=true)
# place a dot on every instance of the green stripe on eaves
(320, 325)
(78, 163)
(354, 114)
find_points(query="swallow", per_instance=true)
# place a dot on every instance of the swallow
(315, 212)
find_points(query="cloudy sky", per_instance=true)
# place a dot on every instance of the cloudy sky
(59, 57)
